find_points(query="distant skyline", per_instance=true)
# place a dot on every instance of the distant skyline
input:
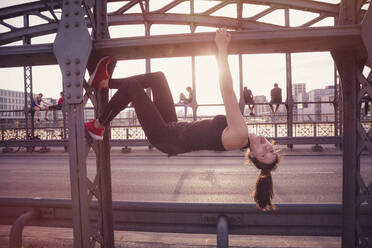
(260, 71)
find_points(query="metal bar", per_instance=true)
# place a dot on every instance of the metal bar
(126, 7)
(263, 13)
(177, 217)
(27, 77)
(27, 8)
(217, 7)
(336, 100)
(222, 232)
(48, 19)
(288, 62)
(72, 48)
(169, 6)
(144, 142)
(257, 41)
(51, 10)
(346, 63)
(315, 20)
(78, 176)
(15, 237)
(11, 27)
(305, 5)
(103, 163)
(347, 66)
(193, 71)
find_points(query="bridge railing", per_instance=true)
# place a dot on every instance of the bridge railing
(126, 130)
(197, 218)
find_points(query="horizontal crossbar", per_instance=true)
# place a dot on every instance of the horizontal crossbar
(288, 219)
(245, 42)
(144, 142)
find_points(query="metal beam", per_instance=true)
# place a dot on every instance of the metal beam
(154, 18)
(28, 8)
(304, 5)
(246, 219)
(263, 41)
(187, 19)
(144, 142)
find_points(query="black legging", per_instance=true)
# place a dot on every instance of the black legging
(153, 115)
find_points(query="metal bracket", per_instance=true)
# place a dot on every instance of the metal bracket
(72, 48)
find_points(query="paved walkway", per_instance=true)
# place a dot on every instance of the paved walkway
(38, 237)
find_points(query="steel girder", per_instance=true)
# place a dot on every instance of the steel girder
(119, 17)
(178, 217)
(73, 60)
(262, 41)
(356, 139)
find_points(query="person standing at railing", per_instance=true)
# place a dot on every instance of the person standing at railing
(158, 119)
(248, 100)
(186, 101)
(38, 104)
(276, 98)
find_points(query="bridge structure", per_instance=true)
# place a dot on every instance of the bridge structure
(82, 37)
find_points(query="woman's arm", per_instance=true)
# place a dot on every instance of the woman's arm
(235, 134)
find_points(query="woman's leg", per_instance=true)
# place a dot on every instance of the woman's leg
(148, 115)
(158, 84)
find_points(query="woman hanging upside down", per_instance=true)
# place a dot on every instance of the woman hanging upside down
(159, 120)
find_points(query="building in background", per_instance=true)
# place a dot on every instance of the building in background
(11, 100)
(298, 95)
(316, 111)
(297, 89)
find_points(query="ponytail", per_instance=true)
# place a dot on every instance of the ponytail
(264, 191)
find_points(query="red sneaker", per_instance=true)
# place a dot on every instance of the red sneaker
(95, 133)
(100, 73)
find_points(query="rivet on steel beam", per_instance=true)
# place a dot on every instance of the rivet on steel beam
(77, 61)
(77, 84)
(67, 25)
(68, 84)
(76, 25)
(77, 73)
(67, 14)
(68, 61)
(67, 2)
(78, 97)
(76, 12)
(68, 96)
(68, 73)
(77, 1)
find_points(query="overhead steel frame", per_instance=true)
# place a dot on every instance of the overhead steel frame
(356, 139)
(343, 40)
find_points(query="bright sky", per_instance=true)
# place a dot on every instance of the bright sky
(260, 72)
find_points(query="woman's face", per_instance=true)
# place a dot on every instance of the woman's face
(262, 149)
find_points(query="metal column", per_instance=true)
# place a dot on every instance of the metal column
(288, 62)
(354, 85)
(104, 232)
(72, 47)
(27, 72)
